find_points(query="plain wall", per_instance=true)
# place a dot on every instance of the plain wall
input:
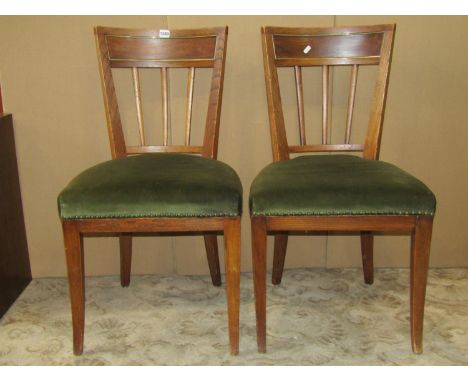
(50, 80)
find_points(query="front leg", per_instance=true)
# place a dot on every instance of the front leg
(75, 266)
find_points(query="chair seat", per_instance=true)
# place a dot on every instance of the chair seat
(338, 185)
(153, 185)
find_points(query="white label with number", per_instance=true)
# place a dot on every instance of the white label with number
(164, 33)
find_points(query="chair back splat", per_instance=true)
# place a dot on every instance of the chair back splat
(326, 47)
(134, 49)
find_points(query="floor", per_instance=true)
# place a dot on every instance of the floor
(315, 317)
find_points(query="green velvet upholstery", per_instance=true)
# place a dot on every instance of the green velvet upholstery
(153, 185)
(338, 185)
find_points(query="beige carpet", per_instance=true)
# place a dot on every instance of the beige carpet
(316, 317)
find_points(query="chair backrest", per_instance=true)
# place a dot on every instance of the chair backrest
(162, 49)
(325, 47)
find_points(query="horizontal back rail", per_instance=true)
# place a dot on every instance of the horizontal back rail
(164, 149)
(325, 148)
(144, 48)
(336, 49)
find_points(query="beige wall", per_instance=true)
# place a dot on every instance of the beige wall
(51, 85)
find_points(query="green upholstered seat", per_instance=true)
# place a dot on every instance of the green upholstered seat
(153, 185)
(338, 185)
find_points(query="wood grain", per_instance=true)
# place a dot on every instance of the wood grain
(381, 223)
(211, 246)
(136, 89)
(325, 101)
(351, 99)
(374, 129)
(134, 50)
(325, 148)
(420, 248)
(114, 123)
(75, 267)
(279, 255)
(232, 240)
(188, 115)
(259, 247)
(125, 242)
(360, 44)
(367, 251)
(161, 224)
(279, 142)
(164, 149)
(165, 105)
(300, 103)
(210, 140)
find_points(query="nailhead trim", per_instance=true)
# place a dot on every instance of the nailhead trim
(133, 215)
(358, 213)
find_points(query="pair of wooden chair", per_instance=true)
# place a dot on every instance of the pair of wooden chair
(162, 189)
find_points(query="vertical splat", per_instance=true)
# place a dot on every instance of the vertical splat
(188, 119)
(300, 103)
(136, 89)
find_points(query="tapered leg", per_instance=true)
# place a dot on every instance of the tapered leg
(420, 248)
(232, 228)
(125, 259)
(367, 250)
(259, 247)
(279, 254)
(75, 267)
(211, 245)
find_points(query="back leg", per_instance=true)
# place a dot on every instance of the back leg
(75, 267)
(279, 254)
(211, 245)
(367, 250)
(125, 241)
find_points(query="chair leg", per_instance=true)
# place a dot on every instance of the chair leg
(367, 250)
(420, 248)
(232, 235)
(75, 266)
(279, 254)
(125, 241)
(259, 247)
(211, 245)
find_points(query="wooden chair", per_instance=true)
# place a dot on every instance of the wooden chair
(156, 188)
(335, 192)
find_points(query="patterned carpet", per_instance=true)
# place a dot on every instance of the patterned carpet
(316, 317)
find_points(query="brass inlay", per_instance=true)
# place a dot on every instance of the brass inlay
(327, 58)
(161, 60)
(159, 38)
(326, 34)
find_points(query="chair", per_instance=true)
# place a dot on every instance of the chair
(335, 192)
(161, 189)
